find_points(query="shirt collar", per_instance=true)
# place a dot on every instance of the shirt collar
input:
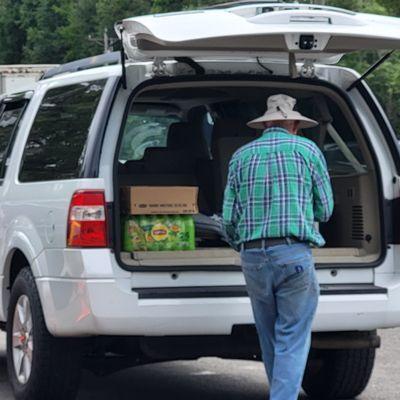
(275, 129)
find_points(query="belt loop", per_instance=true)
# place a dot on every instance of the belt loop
(288, 241)
(263, 243)
(242, 246)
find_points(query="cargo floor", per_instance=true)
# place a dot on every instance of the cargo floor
(225, 256)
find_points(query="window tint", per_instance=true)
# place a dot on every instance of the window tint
(337, 142)
(8, 122)
(144, 130)
(343, 158)
(340, 146)
(56, 145)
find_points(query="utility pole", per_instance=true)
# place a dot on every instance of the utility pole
(106, 42)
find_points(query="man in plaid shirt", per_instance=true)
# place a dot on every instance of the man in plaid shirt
(278, 186)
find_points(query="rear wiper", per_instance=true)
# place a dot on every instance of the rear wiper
(370, 70)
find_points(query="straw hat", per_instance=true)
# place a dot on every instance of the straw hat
(280, 108)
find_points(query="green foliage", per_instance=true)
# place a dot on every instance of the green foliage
(80, 19)
(42, 25)
(392, 6)
(12, 35)
(168, 5)
(178, 5)
(108, 12)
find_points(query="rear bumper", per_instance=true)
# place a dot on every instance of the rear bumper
(84, 307)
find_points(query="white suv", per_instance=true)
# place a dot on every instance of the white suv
(172, 116)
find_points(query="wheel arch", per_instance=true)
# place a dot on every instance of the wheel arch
(15, 261)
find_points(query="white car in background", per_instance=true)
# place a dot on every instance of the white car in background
(71, 297)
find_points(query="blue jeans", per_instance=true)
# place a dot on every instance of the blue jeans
(283, 288)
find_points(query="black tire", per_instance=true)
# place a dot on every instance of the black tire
(55, 372)
(338, 374)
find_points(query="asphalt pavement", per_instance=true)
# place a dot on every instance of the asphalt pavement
(212, 379)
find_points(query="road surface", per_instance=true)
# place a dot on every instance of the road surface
(212, 378)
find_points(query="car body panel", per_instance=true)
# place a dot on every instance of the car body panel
(85, 307)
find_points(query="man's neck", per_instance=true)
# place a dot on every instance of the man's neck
(272, 128)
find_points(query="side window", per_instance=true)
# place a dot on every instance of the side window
(10, 114)
(56, 144)
(144, 129)
(337, 140)
(342, 153)
(340, 147)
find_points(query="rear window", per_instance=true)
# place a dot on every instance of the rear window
(341, 148)
(9, 119)
(146, 126)
(336, 139)
(56, 144)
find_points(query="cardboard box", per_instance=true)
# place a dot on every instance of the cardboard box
(146, 200)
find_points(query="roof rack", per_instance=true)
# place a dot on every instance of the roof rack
(85, 63)
(240, 3)
(276, 5)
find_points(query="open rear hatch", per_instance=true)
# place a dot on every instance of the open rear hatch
(322, 35)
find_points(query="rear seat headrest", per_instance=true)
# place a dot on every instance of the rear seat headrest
(187, 136)
(231, 127)
(180, 135)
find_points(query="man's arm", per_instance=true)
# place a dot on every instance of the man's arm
(229, 207)
(322, 189)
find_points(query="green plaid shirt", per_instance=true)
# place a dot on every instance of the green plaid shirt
(278, 185)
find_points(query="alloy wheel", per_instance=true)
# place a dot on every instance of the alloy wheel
(22, 340)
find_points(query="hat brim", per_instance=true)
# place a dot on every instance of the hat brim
(304, 122)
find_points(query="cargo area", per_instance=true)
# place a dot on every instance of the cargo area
(182, 135)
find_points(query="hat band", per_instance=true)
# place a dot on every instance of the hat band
(282, 112)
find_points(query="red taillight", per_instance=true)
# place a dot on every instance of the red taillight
(87, 222)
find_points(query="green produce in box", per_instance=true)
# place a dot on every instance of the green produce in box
(158, 233)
